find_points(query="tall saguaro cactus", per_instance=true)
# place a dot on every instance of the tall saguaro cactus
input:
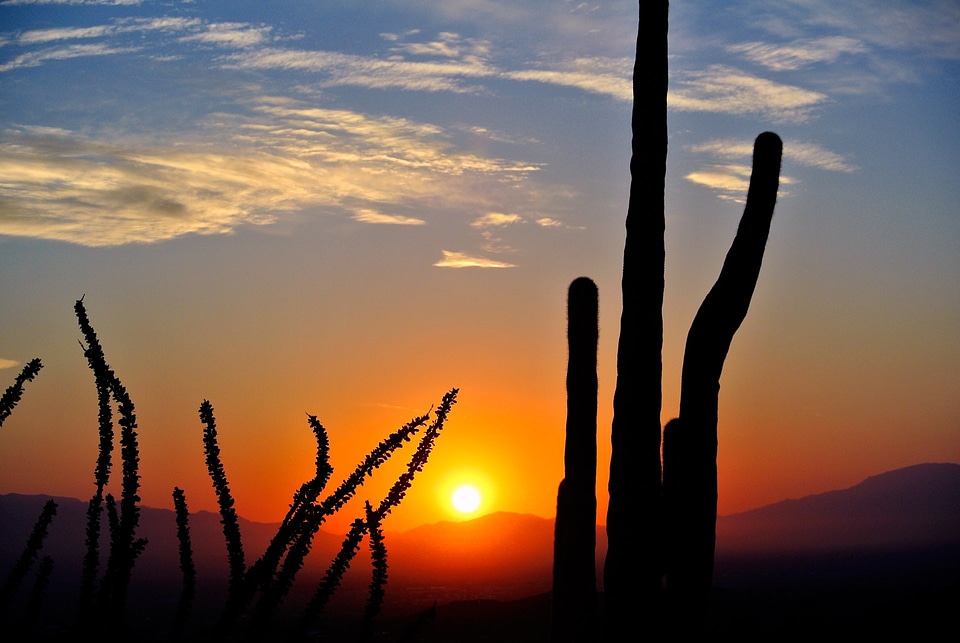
(632, 570)
(574, 566)
(661, 517)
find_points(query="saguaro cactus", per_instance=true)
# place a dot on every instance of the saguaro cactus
(574, 567)
(633, 567)
(661, 519)
(690, 443)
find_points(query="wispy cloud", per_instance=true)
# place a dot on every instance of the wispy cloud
(449, 63)
(727, 90)
(37, 36)
(931, 27)
(607, 76)
(366, 71)
(495, 219)
(36, 58)
(802, 153)
(547, 222)
(8, 363)
(366, 215)
(463, 260)
(241, 169)
(117, 38)
(447, 45)
(232, 34)
(730, 181)
(799, 53)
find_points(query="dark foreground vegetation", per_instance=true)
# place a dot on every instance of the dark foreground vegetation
(882, 555)
(255, 591)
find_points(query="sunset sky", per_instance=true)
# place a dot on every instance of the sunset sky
(347, 208)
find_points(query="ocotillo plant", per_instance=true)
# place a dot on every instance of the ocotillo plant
(125, 547)
(308, 520)
(187, 566)
(274, 573)
(228, 514)
(28, 557)
(661, 518)
(574, 566)
(393, 498)
(101, 608)
(13, 393)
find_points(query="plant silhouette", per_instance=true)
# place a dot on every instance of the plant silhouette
(28, 558)
(102, 600)
(125, 547)
(187, 567)
(574, 566)
(228, 515)
(14, 392)
(661, 517)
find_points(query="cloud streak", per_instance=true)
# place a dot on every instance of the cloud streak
(799, 53)
(37, 58)
(802, 153)
(727, 90)
(495, 220)
(463, 260)
(365, 215)
(250, 169)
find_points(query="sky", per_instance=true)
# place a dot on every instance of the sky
(347, 208)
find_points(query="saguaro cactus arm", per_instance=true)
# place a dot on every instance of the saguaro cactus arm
(690, 443)
(575, 535)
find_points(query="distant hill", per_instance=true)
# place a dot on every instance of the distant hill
(917, 506)
(509, 556)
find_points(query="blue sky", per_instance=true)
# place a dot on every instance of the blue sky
(301, 205)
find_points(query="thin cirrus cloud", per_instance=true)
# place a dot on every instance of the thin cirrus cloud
(447, 45)
(235, 35)
(931, 27)
(8, 363)
(451, 63)
(803, 153)
(230, 34)
(37, 36)
(731, 180)
(463, 260)
(599, 75)
(548, 222)
(36, 58)
(495, 220)
(727, 90)
(366, 71)
(365, 215)
(283, 157)
(799, 53)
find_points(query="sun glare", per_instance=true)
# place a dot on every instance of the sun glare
(466, 498)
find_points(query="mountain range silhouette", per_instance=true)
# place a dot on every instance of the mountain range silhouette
(896, 528)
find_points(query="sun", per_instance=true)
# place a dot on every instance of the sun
(465, 498)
